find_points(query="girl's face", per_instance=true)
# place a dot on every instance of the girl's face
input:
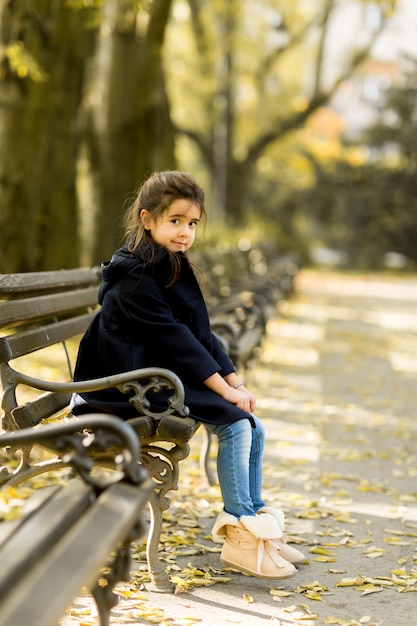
(175, 230)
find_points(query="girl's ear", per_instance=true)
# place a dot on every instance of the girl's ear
(146, 219)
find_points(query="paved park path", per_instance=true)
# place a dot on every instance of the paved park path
(336, 388)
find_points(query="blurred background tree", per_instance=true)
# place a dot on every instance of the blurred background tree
(367, 208)
(253, 96)
(126, 129)
(83, 116)
(43, 51)
(96, 94)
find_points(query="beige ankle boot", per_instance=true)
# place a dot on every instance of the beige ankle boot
(290, 554)
(249, 546)
(287, 552)
(277, 513)
(279, 516)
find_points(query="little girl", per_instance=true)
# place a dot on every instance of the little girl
(153, 315)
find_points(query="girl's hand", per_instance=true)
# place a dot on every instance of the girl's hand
(241, 398)
(252, 398)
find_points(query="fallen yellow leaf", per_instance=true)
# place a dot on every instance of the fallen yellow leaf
(350, 582)
(397, 541)
(367, 589)
(323, 551)
(306, 608)
(373, 552)
(313, 595)
(280, 593)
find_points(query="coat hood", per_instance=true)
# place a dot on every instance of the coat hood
(126, 263)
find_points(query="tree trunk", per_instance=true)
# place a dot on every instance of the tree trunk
(229, 157)
(126, 123)
(38, 213)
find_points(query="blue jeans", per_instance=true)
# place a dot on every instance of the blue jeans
(239, 465)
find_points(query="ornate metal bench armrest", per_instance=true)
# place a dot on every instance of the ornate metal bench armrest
(140, 382)
(78, 439)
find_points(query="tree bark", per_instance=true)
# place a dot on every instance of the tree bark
(41, 80)
(127, 131)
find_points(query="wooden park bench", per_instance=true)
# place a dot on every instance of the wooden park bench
(53, 309)
(243, 288)
(79, 532)
(242, 293)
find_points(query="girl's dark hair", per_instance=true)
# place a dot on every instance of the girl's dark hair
(155, 195)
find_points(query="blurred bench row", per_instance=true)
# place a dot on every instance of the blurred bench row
(242, 292)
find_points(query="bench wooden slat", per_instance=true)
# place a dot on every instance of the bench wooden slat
(49, 403)
(249, 342)
(15, 284)
(36, 500)
(27, 341)
(13, 312)
(107, 523)
(37, 531)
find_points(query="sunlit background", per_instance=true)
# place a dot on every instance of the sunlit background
(298, 118)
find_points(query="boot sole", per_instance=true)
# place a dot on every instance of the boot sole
(239, 568)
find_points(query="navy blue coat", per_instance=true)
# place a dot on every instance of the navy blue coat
(143, 322)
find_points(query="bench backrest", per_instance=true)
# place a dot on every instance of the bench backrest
(38, 310)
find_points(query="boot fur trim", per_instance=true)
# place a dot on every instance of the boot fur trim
(219, 529)
(263, 526)
(278, 513)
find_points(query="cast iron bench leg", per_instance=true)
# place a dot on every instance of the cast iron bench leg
(205, 466)
(160, 579)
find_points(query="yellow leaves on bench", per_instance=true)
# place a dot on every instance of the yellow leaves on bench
(13, 501)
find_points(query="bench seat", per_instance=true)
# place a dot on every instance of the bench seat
(79, 532)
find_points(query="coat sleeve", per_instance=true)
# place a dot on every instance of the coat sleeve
(169, 343)
(221, 357)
